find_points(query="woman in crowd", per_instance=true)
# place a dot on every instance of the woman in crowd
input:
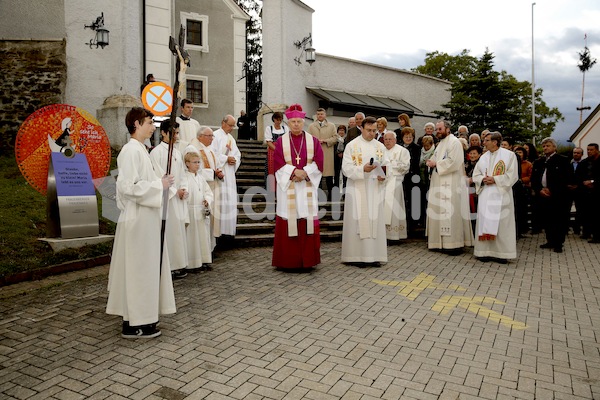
(272, 133)
(339, 155)
(523, 202)
(424, 172)
(412, 178)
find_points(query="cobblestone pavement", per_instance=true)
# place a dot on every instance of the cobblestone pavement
(423, 326)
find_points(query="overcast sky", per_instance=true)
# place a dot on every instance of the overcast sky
(399, 34)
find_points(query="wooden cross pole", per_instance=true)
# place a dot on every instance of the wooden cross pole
(181, 64)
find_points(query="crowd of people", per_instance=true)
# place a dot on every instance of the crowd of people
(460, 190)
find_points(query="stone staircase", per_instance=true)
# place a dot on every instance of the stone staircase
(256, 207)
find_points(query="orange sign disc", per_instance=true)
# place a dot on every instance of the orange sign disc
(60, 127)
(158, 98)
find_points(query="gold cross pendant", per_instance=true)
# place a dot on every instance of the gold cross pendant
(297, 159)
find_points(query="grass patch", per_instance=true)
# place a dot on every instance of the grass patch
(23, 216)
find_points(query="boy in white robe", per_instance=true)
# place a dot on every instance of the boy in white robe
(139, 288)
(199, 204)
(177, 208)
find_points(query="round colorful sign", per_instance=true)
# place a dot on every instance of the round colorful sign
(60, 128)
(158, 98)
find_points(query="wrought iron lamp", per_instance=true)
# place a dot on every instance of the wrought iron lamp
(101, 37)
(305, 46)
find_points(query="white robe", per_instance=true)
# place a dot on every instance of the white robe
(394, 207)
(495, 209)
(137, 291)
(229, 196)
(187, 132)
(448, 214)
(209, 174)
(363, 207)
(177, 215)
(199, 238)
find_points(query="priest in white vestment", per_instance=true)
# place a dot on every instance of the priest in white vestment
(228, 160)
(177, 213)
(364, 235)
(213, 175)
(298, 163)
(188, 126)
(199, 204)
(494, 176)
(448, 215)
(394, 206)
(138, 289)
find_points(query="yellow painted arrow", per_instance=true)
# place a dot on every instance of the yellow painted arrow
(473, 304)
(412, 289)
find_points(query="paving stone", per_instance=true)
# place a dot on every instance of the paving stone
(246, 331)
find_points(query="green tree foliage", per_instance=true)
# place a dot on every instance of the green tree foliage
(483, 98)
(253, 63)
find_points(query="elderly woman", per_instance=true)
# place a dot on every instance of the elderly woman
(474, 140)
(382, 124)
(429, 130)
(424, 171)
(298, 164)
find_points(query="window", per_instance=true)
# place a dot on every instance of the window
(196, 31)
(196, 90)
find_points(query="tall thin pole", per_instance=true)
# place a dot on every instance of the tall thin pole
(532, 78)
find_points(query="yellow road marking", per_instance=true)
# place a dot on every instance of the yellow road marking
(412, 289)
(473, 304)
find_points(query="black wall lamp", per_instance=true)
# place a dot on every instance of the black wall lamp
(309, 51)
(101, 38)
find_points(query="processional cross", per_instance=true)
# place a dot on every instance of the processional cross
(181, 64)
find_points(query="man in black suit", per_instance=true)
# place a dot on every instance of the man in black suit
(551, 176)
(592, 183)
(357, 130)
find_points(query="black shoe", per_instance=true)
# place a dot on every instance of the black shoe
(140, 332)
(179, 274)
(546, 246)
(585, 236)
(207, 267)
(484, 259)
(501, 260)
(195, 270)
(558, 249)
(453, 252)
(594, 241)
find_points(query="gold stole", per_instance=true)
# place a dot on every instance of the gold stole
(291, 191)
(215, 216)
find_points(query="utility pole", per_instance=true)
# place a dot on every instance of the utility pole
(586, 62)
(532, 79)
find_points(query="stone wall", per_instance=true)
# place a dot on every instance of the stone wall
(34, 75)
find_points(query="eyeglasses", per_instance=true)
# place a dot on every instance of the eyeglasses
(209, 135)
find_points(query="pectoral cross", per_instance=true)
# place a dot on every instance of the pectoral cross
(297, 159)
(379, 154)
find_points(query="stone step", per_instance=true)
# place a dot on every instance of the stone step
(266, 239)
(249, 173)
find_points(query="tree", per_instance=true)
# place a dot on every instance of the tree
(586, 62)
(253, 63)
(445, 66)
(483, 98)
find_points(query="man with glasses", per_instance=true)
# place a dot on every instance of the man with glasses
(228, 159)
(209, 170)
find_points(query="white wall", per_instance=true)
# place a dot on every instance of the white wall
(95, 74)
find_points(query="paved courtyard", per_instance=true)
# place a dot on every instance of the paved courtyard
(423, 326)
